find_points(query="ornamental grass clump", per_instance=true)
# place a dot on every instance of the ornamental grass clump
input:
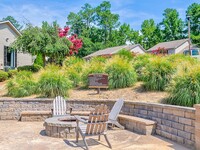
(73, 67)
(21, 85)
(95, 65)
(184, 89)
(157, 74)
(52, 84)
(180, 59)
(120, 72)
(126, 54)
(140, 62)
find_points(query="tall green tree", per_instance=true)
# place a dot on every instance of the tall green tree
(194, 12)
(13, 21)
(106, 20)
(148, 29)
(75, 22)
(172, 25)
(44, 41)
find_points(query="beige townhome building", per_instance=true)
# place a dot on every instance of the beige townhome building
(176, 47)
(10, 58)
(137, 49)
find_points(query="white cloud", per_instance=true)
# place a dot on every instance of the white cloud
(36, 14)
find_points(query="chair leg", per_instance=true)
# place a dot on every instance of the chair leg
(84, 140)
(107, 140)
(77, 135)
(99, 138)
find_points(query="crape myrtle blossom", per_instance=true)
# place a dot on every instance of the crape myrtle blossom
(76, 42)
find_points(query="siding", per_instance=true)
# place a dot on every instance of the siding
(137, 50)
(181, 48)
(7, 32)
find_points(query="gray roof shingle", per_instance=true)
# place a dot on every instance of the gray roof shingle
(169, 45)
(111, 50)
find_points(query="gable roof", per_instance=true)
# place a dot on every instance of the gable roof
(11, 26)
(169, 45)
(113, 50)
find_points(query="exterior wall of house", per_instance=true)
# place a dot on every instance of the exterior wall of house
(24, 59)
(137, 49)
(7, 33)
(181, 48)
(171, 51)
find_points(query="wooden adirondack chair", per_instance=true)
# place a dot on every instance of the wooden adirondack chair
(59, 106)
(96, 125)
(115, 112)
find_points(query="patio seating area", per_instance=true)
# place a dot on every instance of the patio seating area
(31, 135)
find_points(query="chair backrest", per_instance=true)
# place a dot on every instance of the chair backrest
(116, 109)
(59, 106)
(97, 122)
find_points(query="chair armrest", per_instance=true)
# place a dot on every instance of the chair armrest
(78, 118)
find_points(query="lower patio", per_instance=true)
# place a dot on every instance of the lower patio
(15, 135)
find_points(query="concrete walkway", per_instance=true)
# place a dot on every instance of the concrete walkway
(31, 136)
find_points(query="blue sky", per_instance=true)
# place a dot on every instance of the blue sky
(130, 11)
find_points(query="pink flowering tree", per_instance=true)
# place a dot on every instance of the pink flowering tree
(76, 43)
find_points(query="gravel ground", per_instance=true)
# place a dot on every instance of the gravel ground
(136, 93)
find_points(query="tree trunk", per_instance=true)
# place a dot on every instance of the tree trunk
(44, 59)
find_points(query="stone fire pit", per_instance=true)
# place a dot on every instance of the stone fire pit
(60, 127)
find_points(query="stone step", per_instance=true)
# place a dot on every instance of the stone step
(136, 124)
(35, 115)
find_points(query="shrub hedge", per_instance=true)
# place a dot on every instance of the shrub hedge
(3, 76)
(33, 68)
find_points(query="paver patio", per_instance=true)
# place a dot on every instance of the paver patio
(16, 135)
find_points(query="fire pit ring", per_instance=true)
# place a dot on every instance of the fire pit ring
(60, 127)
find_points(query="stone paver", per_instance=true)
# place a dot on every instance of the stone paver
(30, 136)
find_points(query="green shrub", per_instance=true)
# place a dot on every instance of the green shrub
(92, 67)
(72, 60)
(74, 76)
(12, 73)
(121, 73)
(157, 74)
(21, 85)
(33, 68)
(184, 89)
(52, 84)
(128, 55)
(140, 62)
(98, 59)
(3, 76)
(73, 67)
(39, 60)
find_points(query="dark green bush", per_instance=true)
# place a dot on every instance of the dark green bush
(52, 84)
(21, 85)
(3, 76)
(39, 60)
(157, 74)
(121, 73)
(184, 89)
(33, 68)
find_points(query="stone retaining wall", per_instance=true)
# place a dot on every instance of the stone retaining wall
(173, 122)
